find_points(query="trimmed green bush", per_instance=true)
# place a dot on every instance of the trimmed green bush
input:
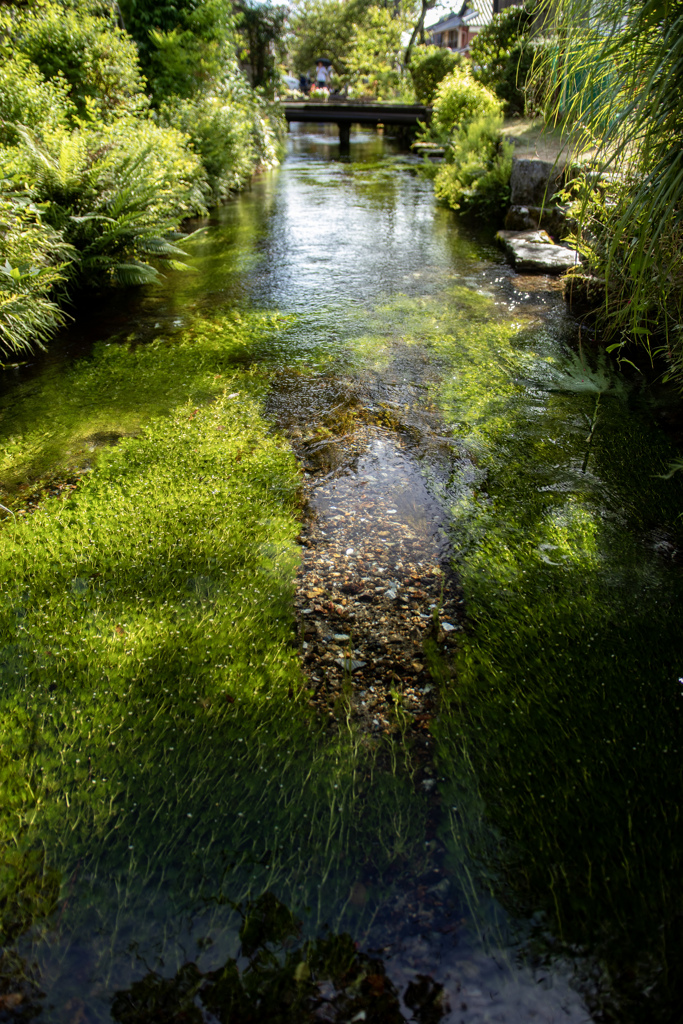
(429, 65)
(459, 101)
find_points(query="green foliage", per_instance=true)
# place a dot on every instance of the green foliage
(475, 177)
(261, 31)
(155, 728)
(374, 68)
(88, 51)
(429, 65)
(113, 193)
(632, 124)
(144, 16)
(502, 54)
(575, 627)
(362, 39)
(467, 119)
(32, 260)
(189, 58)
(231, 132)
(110, 181)
(459, 101)
(325, 28)
(512, 87)
(26, 98)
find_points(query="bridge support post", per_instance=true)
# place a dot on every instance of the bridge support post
(344, 137)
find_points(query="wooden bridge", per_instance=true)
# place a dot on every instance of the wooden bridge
(344, 113)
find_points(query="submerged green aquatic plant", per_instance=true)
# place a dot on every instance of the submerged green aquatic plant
(157, 745)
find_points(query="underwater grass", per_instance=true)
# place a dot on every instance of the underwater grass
(56, 421)
(564, 726)
(560, 736)
(159, 762)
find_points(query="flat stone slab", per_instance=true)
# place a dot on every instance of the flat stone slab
(535, 251)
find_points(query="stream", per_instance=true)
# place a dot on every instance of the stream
(489, 579)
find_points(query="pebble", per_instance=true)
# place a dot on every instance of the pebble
(367, 500)
(350, 663)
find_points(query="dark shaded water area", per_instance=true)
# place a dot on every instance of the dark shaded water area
(488, 612)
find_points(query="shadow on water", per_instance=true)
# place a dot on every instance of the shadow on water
(466, 808)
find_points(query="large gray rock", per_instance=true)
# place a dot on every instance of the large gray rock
(535, 251)
(534, 182)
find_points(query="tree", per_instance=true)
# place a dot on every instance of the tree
(325, 28)
(419, 30)
(261, 35)
(374, 60)
(184, 46)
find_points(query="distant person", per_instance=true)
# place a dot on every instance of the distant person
(304, 84)
(321, 75)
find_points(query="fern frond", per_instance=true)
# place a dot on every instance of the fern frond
(129, 274)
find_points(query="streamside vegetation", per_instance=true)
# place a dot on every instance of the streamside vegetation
(470, 99)
(617, 84)
(467, 119)
(116, 123)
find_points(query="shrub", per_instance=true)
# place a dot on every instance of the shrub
(512, 85)
(459, 101)
(114, 193)
(429, 65)
(229, 136)
(475, 178)
(32, 261)
(26, 98)
(232, 130)
(96, 58)
(191, 57)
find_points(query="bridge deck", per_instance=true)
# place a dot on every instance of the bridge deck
(342, 112)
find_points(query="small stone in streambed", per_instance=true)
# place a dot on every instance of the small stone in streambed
(391, 594)
(341, 636)
(446, 626)
(350, 663)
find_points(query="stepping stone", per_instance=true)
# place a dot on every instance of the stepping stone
(536, 251)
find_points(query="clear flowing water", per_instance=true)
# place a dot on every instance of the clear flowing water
(524, 863)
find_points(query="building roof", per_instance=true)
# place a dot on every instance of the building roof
(467, 15)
